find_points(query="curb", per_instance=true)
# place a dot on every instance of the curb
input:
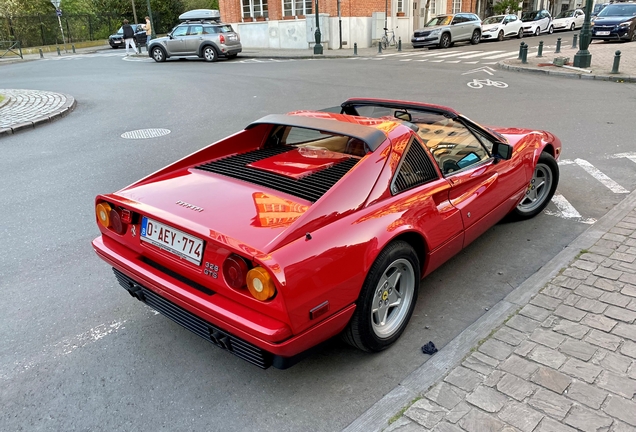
(63, 111)
(618, 78)
(376, 418)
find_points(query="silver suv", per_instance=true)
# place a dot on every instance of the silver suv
(444, 30)
(207, 39)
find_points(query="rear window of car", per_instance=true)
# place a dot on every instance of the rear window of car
(315, 142)
(224, 28)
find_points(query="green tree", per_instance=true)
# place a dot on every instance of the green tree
(506, 6)
(200, 4)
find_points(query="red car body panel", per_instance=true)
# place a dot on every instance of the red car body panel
(316, 252)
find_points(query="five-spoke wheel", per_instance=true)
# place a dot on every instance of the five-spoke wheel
(540, 189)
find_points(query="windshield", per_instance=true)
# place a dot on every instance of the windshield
(530, 16)
(566, 14)
(493, 19)
(625, 10)
(439, 21)
(598, 8)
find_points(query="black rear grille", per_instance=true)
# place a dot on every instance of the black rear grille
(196, 325)
(310, 188)
(416, 169)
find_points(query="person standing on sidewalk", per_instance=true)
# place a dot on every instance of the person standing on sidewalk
(148, 28)
(129, 35)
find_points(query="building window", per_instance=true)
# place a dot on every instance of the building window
(254, 8)
(400, 5)
(457, 6)
(431, 8)
(297, 7)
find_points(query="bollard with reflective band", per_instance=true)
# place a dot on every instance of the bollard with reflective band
(574, 40)
(524, 54)
(355, 48)
(617, 61)
(540, 52)
(400, 44)
(558, 47)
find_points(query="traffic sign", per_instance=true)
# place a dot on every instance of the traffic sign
(56, 3)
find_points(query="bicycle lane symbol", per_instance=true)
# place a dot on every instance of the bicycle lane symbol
(477, 83)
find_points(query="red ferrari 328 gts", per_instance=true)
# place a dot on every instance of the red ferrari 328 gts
(313, 224)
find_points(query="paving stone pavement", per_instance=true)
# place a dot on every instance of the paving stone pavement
(564, 362)
(23, 109)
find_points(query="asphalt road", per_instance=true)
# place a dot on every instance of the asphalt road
(77, 352)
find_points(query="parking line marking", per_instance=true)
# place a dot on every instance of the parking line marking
(566, 210)
(598, 175)
(631, 156)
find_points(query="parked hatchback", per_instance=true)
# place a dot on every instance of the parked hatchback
(445, 30)
(206, 39)
(615, 22)
(569, 20)
(500, 26)
(537, 22)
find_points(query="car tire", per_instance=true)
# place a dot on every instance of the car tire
(209, 54)
(551, 30)
(520, 33)
(476, 37)
(540, 189)
(158, 54)
(444, 41)
(500, 36)
(633, 38)
(387, 299)
(572, 27)
(537, 32)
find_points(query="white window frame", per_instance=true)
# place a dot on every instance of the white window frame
(254, 8)
(457, 6)
(290, 7)
(431, 8)
(401, 5)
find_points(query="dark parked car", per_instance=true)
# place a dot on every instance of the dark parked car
(615, 22)
(117, 40)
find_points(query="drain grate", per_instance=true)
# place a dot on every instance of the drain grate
(145, 133)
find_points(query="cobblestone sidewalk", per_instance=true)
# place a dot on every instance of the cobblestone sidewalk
(23, 109)
(565, 362)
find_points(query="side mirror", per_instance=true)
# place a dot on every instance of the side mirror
(170, 36)
(502, 151)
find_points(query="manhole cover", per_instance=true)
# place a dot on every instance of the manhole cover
(145, 133)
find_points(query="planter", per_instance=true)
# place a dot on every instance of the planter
(400, 14)
(260, 18)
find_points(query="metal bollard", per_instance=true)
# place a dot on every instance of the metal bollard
(574, 40)
(400, 44)
(520, 50)
(41, 53)
(540, 52)
(558, 47)
(73, 46)
(58, 51)
(355, 48)
(379, 47)
(617, 61)
(138, 49)
(524, 54)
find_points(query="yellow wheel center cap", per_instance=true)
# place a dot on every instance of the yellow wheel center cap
(385, 295)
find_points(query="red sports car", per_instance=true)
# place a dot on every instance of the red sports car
(313, 224)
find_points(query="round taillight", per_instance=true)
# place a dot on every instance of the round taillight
(235, 271)
(115, 222)
(103, 214)
(260, 284)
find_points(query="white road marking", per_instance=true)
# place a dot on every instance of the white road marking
(437, 61)
(631, 156)
(566, 210)
(499, 55)
(597, 174)
(485, 69)
(483, 53)
(453, 61)
(457, 54)
(406, 60)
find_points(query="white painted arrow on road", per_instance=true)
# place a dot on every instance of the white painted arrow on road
(486, 69)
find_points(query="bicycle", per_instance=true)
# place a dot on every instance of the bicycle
(386, 41)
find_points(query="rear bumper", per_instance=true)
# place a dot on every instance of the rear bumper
(255, 337)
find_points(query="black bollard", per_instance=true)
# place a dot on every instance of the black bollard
(400, 44)
(524, 54)
(558, 47)
(58, 51)
(379, 47)
(540, 52)
(41, 53)
(617, 61)
(73, 46)
(355, 48)
(520, 50)
(574, 40)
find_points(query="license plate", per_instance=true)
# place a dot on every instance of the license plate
(602, 33)
(172, 240)
(233, 37)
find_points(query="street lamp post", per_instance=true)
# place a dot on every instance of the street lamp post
(152, 22)
(317, 47)
(583, 58)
